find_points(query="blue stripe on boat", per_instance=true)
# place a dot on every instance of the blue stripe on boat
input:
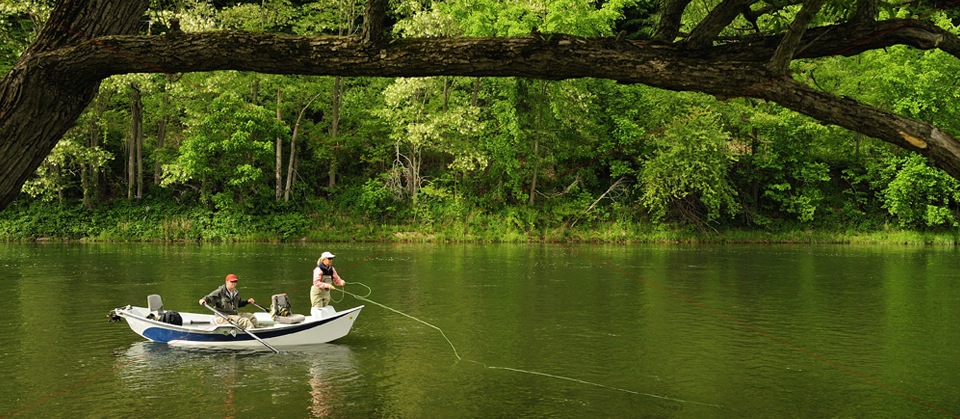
(166, 335)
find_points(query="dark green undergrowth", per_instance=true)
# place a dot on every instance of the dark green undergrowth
(161, 221)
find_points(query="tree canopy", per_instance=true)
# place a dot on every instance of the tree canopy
(730, 49)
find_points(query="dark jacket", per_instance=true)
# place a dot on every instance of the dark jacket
(221, 301)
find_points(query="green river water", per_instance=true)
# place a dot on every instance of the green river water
(501, 331)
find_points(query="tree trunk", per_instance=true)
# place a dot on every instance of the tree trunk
(293, 160)
(91, 172)
(29, 125)
(538, 133)
(475, 95)
(334, 130)
(162, 125)
(292, 166)
(279, 151)
(138, 141)
(670, 13)
(134, 156)
(536, 167)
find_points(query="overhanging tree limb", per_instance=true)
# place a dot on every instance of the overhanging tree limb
(86, 41)
(38, 104)
(559, 57)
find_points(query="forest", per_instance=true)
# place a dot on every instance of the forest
(238, 155)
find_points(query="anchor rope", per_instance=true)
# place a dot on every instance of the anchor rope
(543, 374)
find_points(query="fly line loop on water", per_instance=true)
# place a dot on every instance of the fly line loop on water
(365, 298)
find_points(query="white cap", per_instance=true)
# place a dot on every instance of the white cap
(327, 255)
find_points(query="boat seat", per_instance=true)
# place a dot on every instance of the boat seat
(155, 304)
(280, 310)
(291, 319)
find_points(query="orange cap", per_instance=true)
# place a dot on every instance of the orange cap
(231, 277)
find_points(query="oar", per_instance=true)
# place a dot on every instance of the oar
(234, 324)
(261, 307)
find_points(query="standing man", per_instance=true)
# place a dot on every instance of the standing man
(324, 277)
(226, 299)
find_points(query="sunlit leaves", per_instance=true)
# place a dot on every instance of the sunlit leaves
(62, 166)
(414, 108)
(921, 196)
(583, 18)
(687, 177)
(510, 17)
(428, 23)
(20, 22)
(228, 148)
(495, 17)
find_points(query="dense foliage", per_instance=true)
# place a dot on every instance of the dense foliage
(234, 155)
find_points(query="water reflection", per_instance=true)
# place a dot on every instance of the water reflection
(329, 367)
(766, 331)
(234, 380)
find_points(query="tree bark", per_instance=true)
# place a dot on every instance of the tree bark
(162, 125)
(86, 41)
(30, 124)
(787, 48)
(334, 130)
(292, 166)
(670, 13)
(719, 18)
(278, 147)
(866, 11)
(135, 145)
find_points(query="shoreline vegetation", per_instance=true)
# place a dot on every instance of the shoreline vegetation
(52, 223)
(234, 156)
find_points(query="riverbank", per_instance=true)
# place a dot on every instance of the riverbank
(184, 224)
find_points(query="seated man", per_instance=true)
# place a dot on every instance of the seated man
(226, 299)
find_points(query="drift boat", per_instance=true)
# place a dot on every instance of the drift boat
(201, 330)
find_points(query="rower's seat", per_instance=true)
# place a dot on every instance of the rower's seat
(280, 310)
(155, 304)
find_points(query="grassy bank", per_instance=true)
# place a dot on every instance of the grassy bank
(175, 223)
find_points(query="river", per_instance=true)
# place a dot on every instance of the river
(472, 330)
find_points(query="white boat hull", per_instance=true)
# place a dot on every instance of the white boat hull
(200, 330)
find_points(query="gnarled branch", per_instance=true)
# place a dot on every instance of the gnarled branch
(780, 62)
(374, 16)
(670, 13)
(720, 17)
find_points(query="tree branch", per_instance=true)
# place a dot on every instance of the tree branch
(670, 13)
(36, 105)
(867, 11)
(780, 62)
(559, 57)
(752, 15)
(940, 148)
(846, 40)
(374, 16)
(720, 17)
(66, 69)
